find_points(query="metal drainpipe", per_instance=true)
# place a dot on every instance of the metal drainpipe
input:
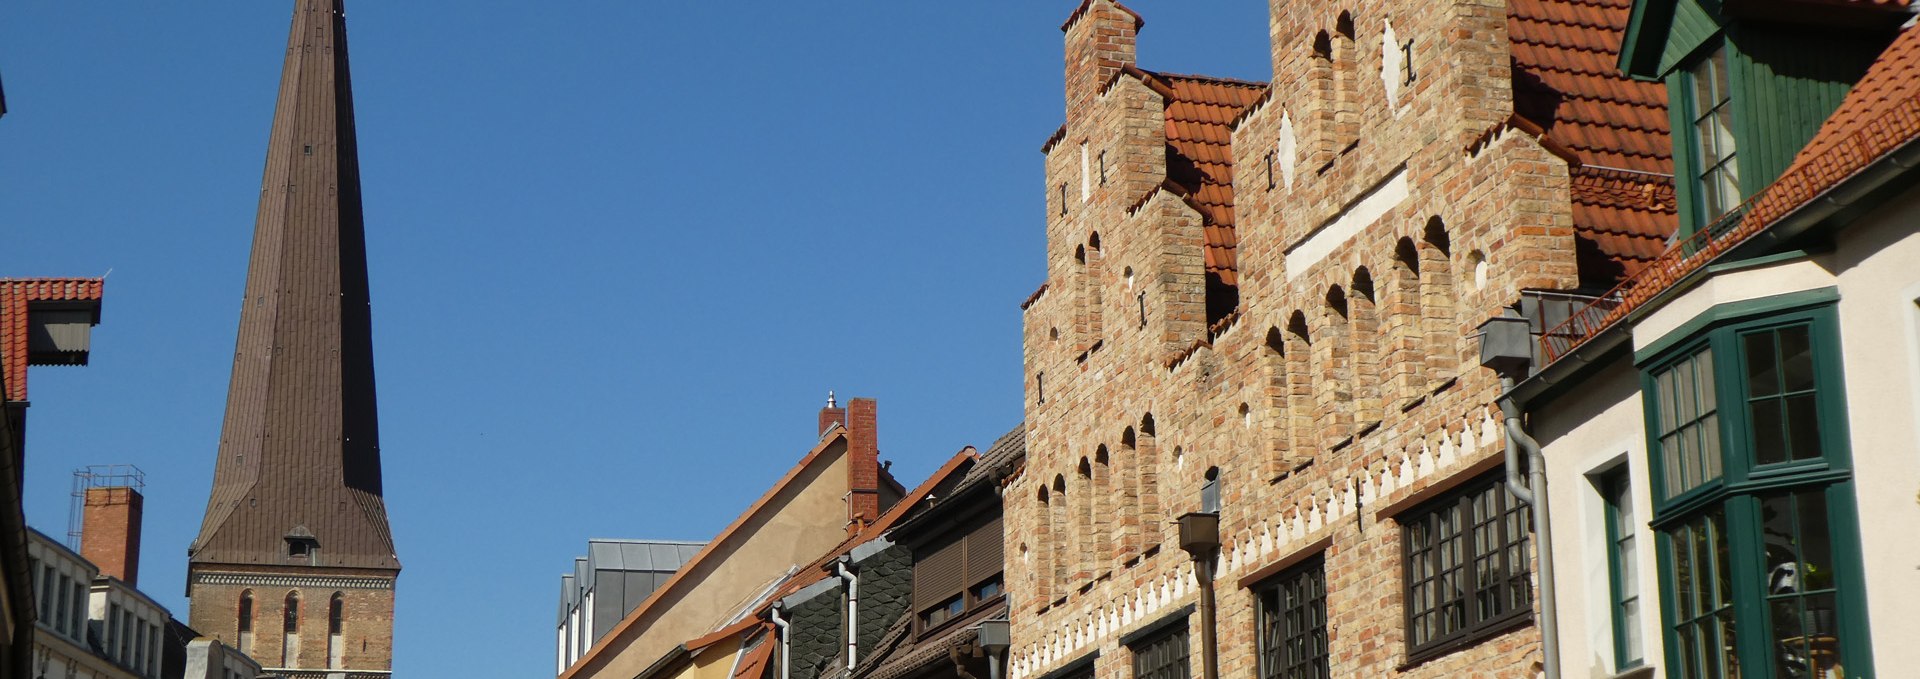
(853, 609)
(786, 647)
(1210, 651)
(1533, 491)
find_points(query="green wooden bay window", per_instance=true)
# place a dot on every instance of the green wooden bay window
(1753, 505)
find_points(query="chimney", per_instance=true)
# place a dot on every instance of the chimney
(863, 463)
(831, 415)
(110, 532)
(1101, 35)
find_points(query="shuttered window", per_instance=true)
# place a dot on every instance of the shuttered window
(958, 574)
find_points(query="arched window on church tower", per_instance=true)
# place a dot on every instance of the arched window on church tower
(245, 626)
(290, 629)
(336, 627)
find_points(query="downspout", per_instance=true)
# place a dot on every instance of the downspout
(786, 646)
(853, 608)
(1532, 490)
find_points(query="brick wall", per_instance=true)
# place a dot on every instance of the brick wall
(367, 629)
(1347, 382)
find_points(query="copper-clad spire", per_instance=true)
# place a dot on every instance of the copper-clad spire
(299, 457)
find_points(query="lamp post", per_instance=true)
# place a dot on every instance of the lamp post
(1200, 539)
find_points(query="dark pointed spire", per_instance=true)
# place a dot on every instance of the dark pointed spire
(300, 450)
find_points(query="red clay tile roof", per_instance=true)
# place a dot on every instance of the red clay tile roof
(1879, 116)
(1200, 116)
(1567, 81)
(16, 294)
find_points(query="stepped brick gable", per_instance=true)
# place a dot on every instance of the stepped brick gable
(1276, 284)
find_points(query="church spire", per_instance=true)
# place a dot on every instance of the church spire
(297, 478)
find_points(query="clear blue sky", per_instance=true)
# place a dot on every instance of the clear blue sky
(620, 251)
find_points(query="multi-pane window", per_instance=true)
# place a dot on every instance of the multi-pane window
(1716, 172)
(47, 583)
(1162, 656)
(1766, 548)
(1689, 424)
(1466, 567)
(958, 574)
(1781, 396)
(1624, 571)
(66, 603)
(1292, 619)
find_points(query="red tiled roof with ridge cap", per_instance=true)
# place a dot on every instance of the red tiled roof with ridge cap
(16, 294)
(1200, 114)
(1566, 80)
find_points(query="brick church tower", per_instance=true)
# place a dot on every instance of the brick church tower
(295, 561)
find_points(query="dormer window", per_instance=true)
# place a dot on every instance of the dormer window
(1716, 171)
(299, 548)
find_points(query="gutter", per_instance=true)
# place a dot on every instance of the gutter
(786, 640)
(1533, 491)
(853, 608)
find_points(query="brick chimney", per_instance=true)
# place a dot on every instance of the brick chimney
(863, 463)
(1101, 35)
(831, 415)
(110, 532)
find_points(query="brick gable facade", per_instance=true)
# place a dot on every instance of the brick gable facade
(1385, 199)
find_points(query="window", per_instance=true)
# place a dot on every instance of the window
(290, 628)
(1466, 567)
(1689, 426)
(1768, 546)
(958, 574)
(66, 603)
(47, 584)
(1623, 569)
(1163, 656)
(77, 615)
(336, 642)
(1716, 172)
(1291, 612)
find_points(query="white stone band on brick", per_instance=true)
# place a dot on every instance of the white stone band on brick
(245, 580)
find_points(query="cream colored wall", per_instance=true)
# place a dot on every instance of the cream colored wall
(795, 528)
(1875, 265)
(714, 662)
(1878, 265)
(1592, 430)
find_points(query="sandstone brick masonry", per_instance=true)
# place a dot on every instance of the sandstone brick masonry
(1373, 234)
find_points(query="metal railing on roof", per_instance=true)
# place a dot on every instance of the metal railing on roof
(1847, 156)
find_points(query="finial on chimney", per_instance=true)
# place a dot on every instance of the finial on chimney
(830, 402)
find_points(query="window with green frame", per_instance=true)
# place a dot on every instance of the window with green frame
(1623, 570)
(1758, 547)
(1716, 170)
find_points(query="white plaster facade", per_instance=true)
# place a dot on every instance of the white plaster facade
(1599, 425)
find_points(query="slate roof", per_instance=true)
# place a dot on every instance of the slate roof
(1200, 112)
(1567, 82)
(300, 444)
(16, 296)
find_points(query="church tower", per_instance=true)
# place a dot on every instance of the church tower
(295, 563)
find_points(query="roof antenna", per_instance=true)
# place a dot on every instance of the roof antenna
(830, 403)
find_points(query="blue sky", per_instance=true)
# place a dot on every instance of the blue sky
(619, 252)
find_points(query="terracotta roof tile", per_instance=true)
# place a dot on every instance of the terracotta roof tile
(1566, 81)
(1879, 116)
(16, 294)
(1200, 115)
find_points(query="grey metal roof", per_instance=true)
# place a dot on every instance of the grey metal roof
(569, 597)
(656, 556)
